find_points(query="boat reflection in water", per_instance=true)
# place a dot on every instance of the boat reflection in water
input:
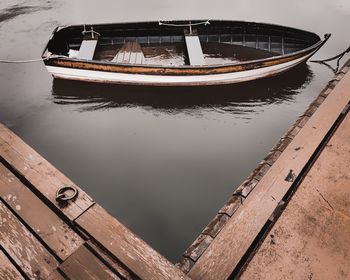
(236, 98)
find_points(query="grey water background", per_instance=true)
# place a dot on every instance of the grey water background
(161, 160)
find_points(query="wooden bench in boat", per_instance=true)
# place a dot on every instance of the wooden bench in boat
(88, 47)
(194, 48)
(131, 52)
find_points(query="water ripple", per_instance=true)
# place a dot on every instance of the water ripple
(17, 10)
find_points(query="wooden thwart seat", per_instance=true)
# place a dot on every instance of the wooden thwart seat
(87, 49)
(194, 50)
(131, 52)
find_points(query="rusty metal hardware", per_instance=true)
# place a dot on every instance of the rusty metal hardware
(62, 197)
(290, 177)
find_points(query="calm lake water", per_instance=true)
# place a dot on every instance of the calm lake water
(161, 160)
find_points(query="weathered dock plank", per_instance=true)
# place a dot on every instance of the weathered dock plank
(28, 253)
(133, 252)
(310, 240)
(40, 173)
(7, 270)
(198, 247)
(121, 269)
(55, 275)
(82, 264)
(41, 219)
(241, 229)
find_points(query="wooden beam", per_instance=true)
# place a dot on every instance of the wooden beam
(55, 275)
(133, 252)
(7, 269)
(122, 270)
(228, 248)
(82, 264)
(311, 238)
(41, 219)
(45, 178)
(23, 247)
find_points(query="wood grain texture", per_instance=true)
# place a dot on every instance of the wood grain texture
(55, 275)
(224, 253)
(133, 252)
(23, 247)
(131, 52)
(7, 269)
(51, 229)
(121, 269)
(39, 172)
(311, 239)
(82, 264)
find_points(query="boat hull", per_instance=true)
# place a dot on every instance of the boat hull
(172, 80)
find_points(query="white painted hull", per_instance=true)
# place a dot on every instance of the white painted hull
(159, 80)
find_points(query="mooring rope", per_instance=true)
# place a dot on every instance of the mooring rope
(31, 60)
(188, 24)
(334, 57)
(338, 57)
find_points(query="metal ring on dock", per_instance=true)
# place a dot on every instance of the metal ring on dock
(62, 197)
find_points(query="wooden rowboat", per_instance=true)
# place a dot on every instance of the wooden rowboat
(177, 53)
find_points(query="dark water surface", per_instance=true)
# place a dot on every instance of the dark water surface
(161, 160)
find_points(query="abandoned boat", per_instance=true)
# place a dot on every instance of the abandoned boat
(177, 53)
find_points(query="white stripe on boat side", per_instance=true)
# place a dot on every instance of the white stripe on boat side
(142, 79)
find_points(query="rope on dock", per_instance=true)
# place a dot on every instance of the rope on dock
(31, 60)
(338, 57)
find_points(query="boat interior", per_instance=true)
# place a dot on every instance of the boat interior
(178, 43)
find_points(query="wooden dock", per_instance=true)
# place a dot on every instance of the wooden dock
(41, 239)
(230, 240)
(289, 219)
(310, 239)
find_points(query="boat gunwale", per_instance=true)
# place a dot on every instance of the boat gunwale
(287, 28)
